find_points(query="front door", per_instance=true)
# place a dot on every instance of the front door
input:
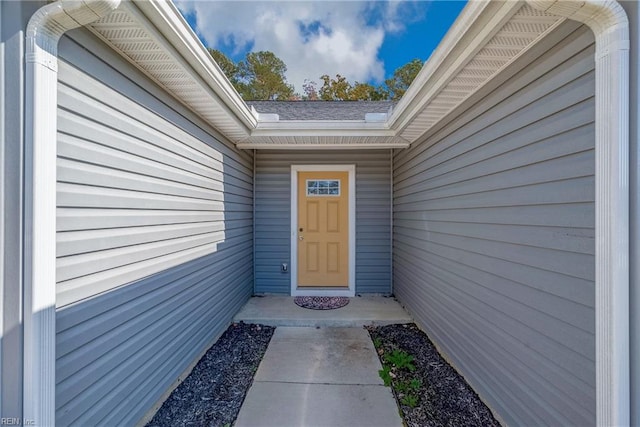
(323, 229)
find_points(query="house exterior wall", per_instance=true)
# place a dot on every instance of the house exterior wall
(494, 236)
(273, 216)
(154, 237)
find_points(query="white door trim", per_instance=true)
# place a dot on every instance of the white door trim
(295, 291)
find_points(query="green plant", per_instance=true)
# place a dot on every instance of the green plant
(405, 390)
(385, 374)
(400, 359)
(401, 386)
(411, 400)
(407, 386)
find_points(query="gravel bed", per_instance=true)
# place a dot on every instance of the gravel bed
(443, 397)
(214, 390)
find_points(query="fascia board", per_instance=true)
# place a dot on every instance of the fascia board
(166, 20)
(324, 126)
(476, 25)
(273, 146)
(322, 133)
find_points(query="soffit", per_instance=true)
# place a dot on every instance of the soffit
(523, 28)
(204, 91)
(485, 39)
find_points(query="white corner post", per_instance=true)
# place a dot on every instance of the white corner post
(44, 30)
(609, 23)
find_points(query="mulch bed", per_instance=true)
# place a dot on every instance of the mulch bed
(214, 391)
(443, 397)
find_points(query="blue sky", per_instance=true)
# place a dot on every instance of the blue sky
(362, 40)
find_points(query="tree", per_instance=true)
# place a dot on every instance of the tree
(310, 89)
(366, 92)
(228, 67)
(334, 89)
(261, 77)
(402, 77)
(339, 89)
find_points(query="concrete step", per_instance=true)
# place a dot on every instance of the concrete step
(361, 311)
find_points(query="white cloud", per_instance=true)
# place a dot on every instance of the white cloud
(312, 38)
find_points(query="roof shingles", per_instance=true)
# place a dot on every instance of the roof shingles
(321, 110)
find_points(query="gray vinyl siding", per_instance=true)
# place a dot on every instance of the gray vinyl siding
(494, 237)
(154, 237)
(373, 216)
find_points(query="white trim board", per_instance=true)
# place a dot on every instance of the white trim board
(610, 26)
(295, 291)
(45, 28)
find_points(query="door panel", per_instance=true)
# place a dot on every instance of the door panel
(323, 231)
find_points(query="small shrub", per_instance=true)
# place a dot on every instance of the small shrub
(400, 359)
(410, 400)
(385, 374)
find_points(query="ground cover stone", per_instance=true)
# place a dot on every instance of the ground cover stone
(214, 390)
(429, 391)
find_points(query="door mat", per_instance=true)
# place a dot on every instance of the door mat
(321, 303)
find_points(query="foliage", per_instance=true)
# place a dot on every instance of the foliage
(310, 90)
(400, 359)
(229, 68)
(398, 84)
(397, 366)
(367, 92)
(385, 374)
(334, 89)
(339, 89)
(411, 400)
(261, 76)
(377, 342)
(412, 385)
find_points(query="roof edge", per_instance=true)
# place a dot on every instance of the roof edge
(165, 15)
(478, 22)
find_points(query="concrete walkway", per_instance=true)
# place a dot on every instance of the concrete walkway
(325, 377)
(282, 311)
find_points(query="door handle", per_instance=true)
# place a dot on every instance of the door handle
(300, 238)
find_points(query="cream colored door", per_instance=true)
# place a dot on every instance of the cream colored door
(323, 229)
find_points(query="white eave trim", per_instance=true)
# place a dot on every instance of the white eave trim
(166, 19)
(450, 57)
(478, 23)
(307, 146)
(323, 126)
